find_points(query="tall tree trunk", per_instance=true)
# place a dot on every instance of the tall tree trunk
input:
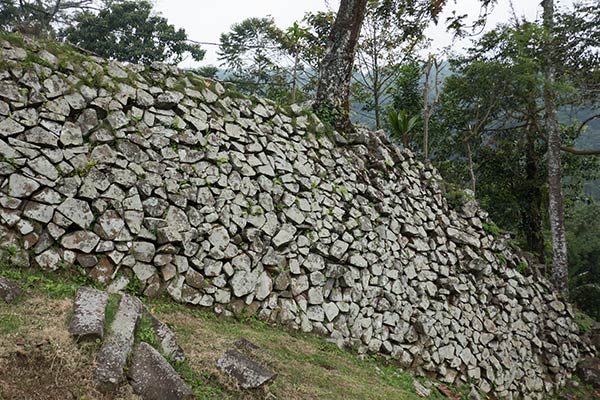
(426, 109)
(376, 101)
(333, 89)
(532, 214)
(376, 84)
(471, 168)
(556, 202)
(295, 76)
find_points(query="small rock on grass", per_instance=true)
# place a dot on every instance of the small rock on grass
(9, 290)
(153, 378)
(420, 389)
(248, 373)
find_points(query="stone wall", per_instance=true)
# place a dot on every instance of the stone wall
(165, 181)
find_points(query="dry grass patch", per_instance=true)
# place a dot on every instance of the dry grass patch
(38, 358)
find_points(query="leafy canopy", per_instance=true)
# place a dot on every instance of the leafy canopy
(130, 31)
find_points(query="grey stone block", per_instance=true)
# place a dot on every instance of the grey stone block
(248, 373)
(153, 378)
(9, 290)
(166, 338)
(112, 358)
(89, 314)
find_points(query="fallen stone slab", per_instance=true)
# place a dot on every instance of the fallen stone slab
(588, 370)
(153, 378)
(248, 373)
(112, 358)
(246, 346)
(166, 338)
(421, 390)
(89, 314)
(9, 290)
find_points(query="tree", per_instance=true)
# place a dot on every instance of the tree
(506, 153)
(333, 91)
(252, 52)
(583, 235)
(388, 39)
(37, 17)
(279, 64)
(332, 99)
(407, 95)
(208, 71)
(431, 96)
(129, 31)
(560, 270)
(293, 41)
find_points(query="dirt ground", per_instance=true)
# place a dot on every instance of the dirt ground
(38, 358)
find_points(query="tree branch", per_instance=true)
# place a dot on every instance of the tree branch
(577, 152)
(586, 121)
(580, 152)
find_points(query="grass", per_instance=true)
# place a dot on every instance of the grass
(33, 333)
(10, 323)
(58, 285)
(38, 358)
(307, 365)
(111, 311)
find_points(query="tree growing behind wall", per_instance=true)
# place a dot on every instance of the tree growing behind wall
(40, 17)
(131, 31)
(332, 99)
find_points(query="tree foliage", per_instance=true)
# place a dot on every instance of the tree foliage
(39, 17)
(333, 90)
(490, 126)
(131, 31)
(390, 36)
(583, 236)
(281, 64)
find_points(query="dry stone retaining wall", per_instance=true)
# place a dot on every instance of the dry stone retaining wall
(152, 177)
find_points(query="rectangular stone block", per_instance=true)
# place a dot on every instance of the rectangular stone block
(112, 358)
(153, 378)
(87, 323)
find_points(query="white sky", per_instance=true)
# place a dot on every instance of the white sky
(205, 20)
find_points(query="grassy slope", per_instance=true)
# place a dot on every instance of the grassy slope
(38, 359)
(34, 332)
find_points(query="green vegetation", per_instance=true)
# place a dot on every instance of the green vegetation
(491, 228)
(584, 321)
(308, 366)
(583, 237)
(145, 333)
(111, 310)
(10, 323)
(135, 287)
(86, 169)
(501, 259)
(455, 196)
(522, 267)
(148, 37)
(58, 284)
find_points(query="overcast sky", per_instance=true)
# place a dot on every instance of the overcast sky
(205, 20)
